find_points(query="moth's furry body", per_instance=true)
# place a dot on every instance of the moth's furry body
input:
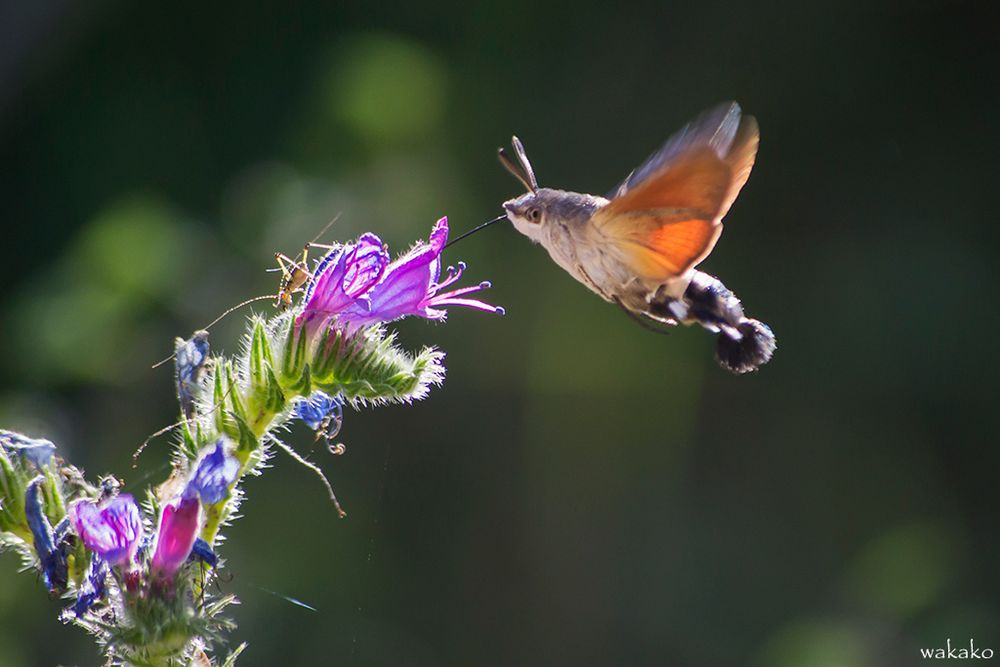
(581, 249)
(639, 247)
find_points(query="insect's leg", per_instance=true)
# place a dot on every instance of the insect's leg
(284, 262)
(324, 246)
(645, 323)
(293, 275)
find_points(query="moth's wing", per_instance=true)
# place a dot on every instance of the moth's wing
(658, 247)
(715, 128)
(742, 154)
(666, 216)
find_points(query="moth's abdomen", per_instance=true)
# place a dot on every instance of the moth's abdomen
(744, 344)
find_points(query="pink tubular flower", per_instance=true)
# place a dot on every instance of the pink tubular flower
(179, 525)
(410, 286)
(357, 289)
(180, 520)
(343, 278)
(111, 531)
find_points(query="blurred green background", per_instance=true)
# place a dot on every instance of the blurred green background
(580, 491)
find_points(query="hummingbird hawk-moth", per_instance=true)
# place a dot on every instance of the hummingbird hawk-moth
(639, 246)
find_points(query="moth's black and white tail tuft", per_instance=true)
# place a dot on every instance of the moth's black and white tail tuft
(750, 351)
(744, 344)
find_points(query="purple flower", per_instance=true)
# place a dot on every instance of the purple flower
(343, 278)
(112, 531)
(411, 286)
(179, 525)
(354, 286)
(215, 473)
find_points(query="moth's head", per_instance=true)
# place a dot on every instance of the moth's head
(539, 207)
(531, 211)
(527, 211)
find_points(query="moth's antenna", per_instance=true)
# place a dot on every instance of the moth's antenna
(216, 321)
(475, 229)
(515, 170)
(522, 156)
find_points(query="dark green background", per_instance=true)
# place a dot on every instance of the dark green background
(580, 491)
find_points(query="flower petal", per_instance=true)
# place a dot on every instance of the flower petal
(111, 531)
(215, 473)
(439, 235)
(179, 525)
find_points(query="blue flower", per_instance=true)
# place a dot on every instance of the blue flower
(200, 551)
(48, 544)
(189, 359)
(94, 587)
(319, 411)
(35, 450)
(215, 473)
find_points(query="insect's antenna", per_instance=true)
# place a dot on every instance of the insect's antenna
(523, 157)
(163, 361)
(475, 229)
(325, 229)
(237, 307)
(145, 443)
(515, 170)
(216, 321)
(168, 429)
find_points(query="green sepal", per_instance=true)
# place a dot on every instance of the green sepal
(328, 352)
(189, 441)
(55, 506)
(368, 366)
(219, 396)
(246, 440)
(238, 407)
(275, 396)
(303, 384)
(296, 351)
(77, 563)
(260, 357)
(12, 495)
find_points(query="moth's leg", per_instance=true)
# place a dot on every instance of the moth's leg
(645, 322)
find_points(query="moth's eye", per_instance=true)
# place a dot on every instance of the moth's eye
(535, 215)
